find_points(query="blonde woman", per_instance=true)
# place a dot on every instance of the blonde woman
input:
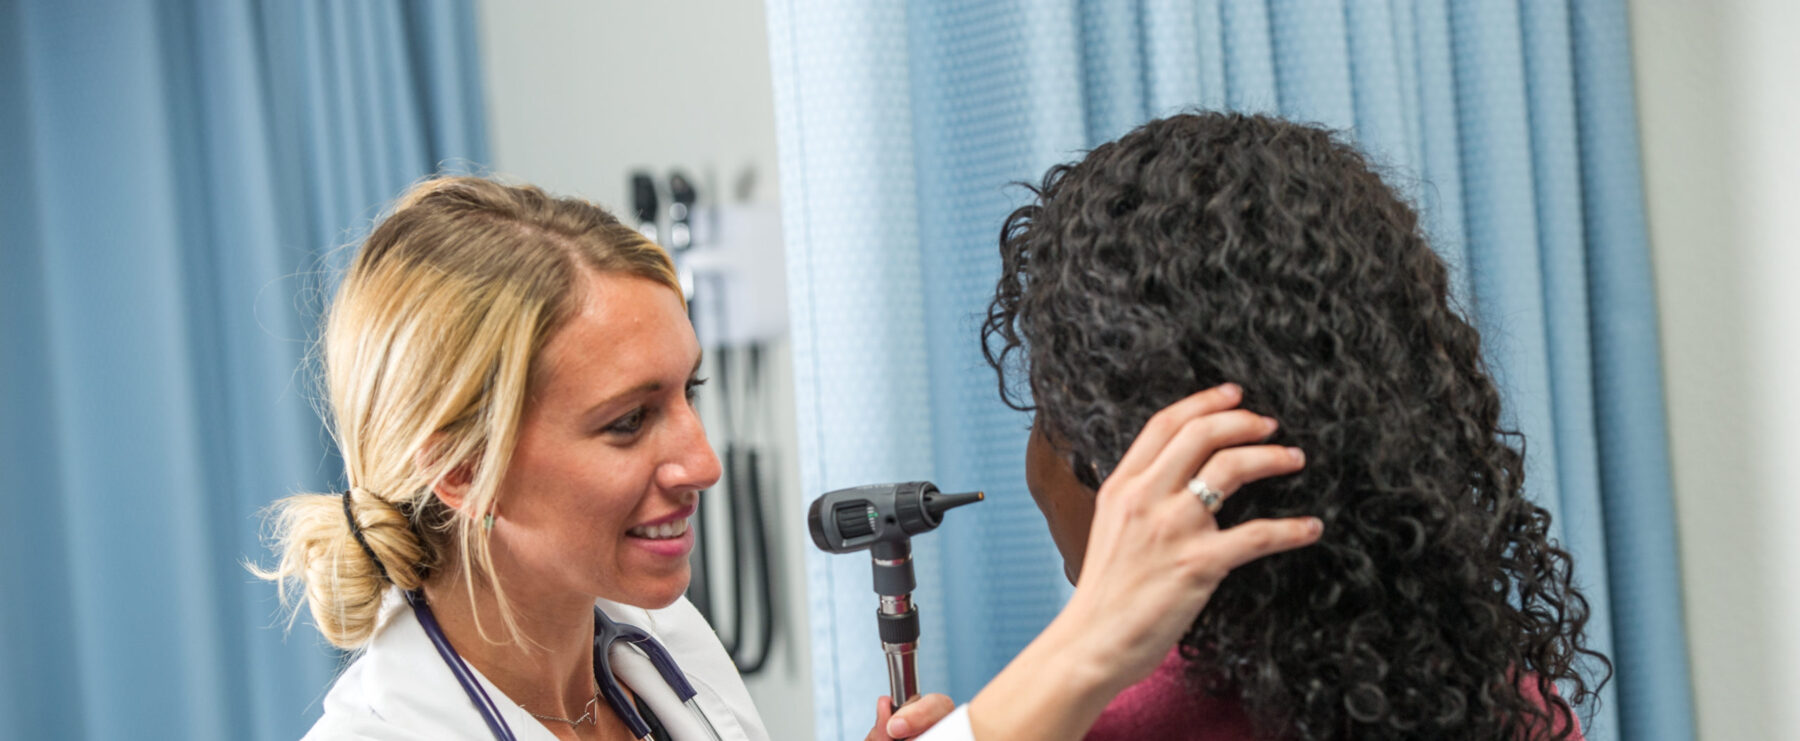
(510, 379)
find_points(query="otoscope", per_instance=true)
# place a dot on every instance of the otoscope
(643, 204)
(682, 198)
(883, 518)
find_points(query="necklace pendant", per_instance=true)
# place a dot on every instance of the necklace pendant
(588, 716)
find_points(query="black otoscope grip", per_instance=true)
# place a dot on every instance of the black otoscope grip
(902, 628)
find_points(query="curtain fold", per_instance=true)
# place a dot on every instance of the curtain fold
(1510, 125)
(1627, 383)
(179, 172)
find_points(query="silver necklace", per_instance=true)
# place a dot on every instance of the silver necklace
(588, 716)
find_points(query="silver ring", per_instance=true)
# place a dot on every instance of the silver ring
(1211, 498)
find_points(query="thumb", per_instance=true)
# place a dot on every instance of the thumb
(920, 715)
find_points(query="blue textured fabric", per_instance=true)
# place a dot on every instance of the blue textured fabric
(176, 171)
(1509, 124)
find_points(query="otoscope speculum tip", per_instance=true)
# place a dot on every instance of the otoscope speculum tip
(937, 504)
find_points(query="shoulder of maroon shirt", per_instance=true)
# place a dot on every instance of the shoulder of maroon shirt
(1165, 706)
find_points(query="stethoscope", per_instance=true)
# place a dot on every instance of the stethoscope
(606, 633)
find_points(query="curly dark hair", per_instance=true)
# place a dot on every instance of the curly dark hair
(1214, 247)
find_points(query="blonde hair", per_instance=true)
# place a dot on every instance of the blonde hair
(428, 354)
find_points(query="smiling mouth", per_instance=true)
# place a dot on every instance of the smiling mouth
(664, 531)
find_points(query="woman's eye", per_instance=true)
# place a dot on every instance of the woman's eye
(628, 424)
(693, 388)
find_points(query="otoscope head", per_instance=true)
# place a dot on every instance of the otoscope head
(643, 197)
(854, 519)
(681, 189)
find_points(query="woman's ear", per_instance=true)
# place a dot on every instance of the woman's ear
(453, 488)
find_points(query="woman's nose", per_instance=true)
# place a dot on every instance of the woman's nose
(690, 463)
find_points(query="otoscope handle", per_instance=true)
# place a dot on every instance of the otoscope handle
(893, 567)
(903, 673)
(897, 619)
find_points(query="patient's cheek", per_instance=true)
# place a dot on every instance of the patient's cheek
(1069, 511)
(1068, 506)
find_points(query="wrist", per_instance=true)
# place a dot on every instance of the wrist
(1080, 648)
(1054, 689)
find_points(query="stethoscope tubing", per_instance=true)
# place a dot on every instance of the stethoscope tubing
(490, 713)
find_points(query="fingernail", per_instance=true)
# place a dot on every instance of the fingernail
(1314, 526)
(1297, 454)
(1270, 424)
(899, 728)
(1231, 389)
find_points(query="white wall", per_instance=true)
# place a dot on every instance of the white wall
(580, 93)
(1719, 106)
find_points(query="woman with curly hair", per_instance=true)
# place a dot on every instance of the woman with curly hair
(1212, 248)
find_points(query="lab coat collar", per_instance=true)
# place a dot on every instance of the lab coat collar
(399, 686)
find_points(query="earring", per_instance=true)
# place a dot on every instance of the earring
(487, 523)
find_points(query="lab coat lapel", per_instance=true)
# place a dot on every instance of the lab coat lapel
(635, 670)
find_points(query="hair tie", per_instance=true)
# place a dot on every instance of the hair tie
(356, 530)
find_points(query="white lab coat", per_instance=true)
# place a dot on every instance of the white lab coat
(399, 689)
(952, 728)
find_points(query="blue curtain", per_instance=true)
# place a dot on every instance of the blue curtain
(1511, 124)
(176, 173)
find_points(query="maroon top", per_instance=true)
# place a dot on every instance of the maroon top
(1164, 706)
